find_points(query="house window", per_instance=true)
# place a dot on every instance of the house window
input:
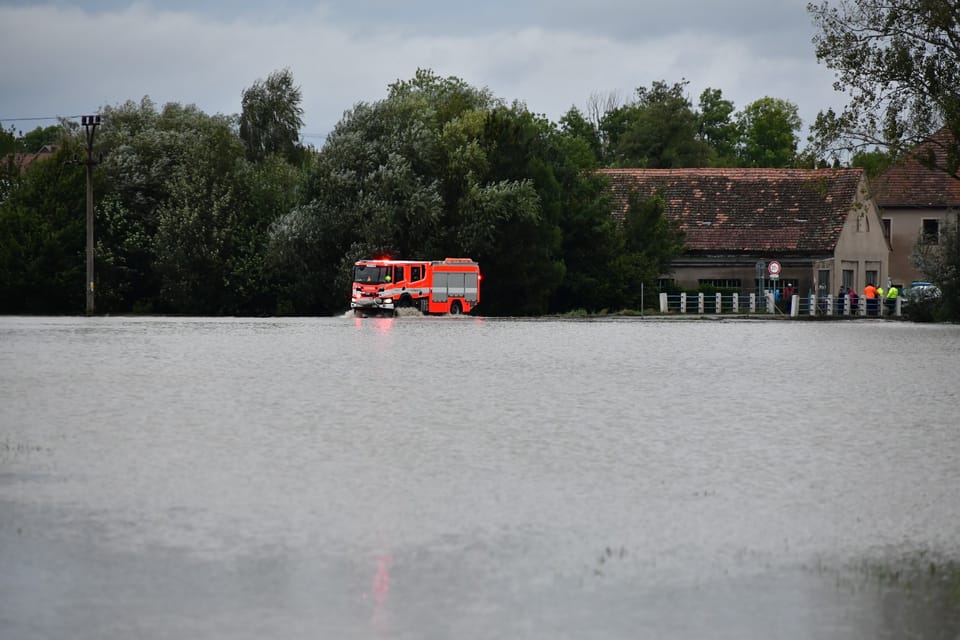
(848, 278)
(930, 233)
(872, 277)
(863, 223)
(666, 284)
(887, 227)
(733, 283)
(823, 281)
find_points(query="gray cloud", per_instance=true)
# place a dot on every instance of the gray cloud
(549, 55)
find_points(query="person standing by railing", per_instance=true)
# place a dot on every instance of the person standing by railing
(891, 300)
(788, 293)
(854, 301)
(870, 293)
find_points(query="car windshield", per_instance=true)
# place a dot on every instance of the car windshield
(370, 274)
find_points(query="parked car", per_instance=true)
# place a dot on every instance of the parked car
(920, 291)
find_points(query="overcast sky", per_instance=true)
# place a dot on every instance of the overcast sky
(67, 58)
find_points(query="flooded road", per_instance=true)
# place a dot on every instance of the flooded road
(474, 478)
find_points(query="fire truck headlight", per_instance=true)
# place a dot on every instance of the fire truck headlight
(388, 301)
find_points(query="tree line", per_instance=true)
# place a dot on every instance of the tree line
(215, 214)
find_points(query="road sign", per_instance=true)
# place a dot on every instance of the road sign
(774, 268)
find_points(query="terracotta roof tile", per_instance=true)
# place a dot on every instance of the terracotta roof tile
(908, 183)
(799, 211)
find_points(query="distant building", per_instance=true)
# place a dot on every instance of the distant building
(914, 202)
(20, 162)
(821, 225)
(24, 160)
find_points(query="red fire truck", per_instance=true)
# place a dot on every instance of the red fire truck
(380, 287)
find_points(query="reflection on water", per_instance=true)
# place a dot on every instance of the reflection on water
(476, 478)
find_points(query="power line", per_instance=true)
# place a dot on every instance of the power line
(2, 119)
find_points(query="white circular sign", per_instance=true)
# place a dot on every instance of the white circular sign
(773, 267)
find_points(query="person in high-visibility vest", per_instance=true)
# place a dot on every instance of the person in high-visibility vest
(870, 293)
(892, 294)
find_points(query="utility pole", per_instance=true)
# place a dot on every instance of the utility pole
(90, 124)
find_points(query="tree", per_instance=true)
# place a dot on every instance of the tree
(875, 162)
(941, 263)
(395, 177)
(42, 238)
(182, 217)
(34, 141)
(657, 131)
(717, 128)
(899, 61)
(271, 118)
(651, 241)
(573, 123)
(769, 128)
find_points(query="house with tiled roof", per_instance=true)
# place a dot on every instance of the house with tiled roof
(821, 225)
(915, 201)
(20, 162)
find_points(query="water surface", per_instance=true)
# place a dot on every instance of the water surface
(475, 478)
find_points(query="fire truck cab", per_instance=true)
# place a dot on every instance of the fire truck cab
(381, 287)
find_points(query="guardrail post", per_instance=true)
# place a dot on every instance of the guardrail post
(794, 306)
(683, 302)
(664, 305)
(813, 304)
(700, 303)
(736, 303)
(753, 303)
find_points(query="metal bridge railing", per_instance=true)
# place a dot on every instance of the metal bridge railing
(796, 306)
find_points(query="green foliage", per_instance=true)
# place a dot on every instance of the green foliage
(769, 128)
(873, 162)
(220, 214)
(651, 241)
(34, 141)
(575, 125)
(8, 142)
(657, 131)
(941, 264)
(42, 240)
(271, 118)
(899, 61)
(717, 128)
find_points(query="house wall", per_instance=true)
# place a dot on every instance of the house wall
(796, 271)
(906, 225)
(862, 248)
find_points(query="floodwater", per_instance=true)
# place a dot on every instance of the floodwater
(475, 478)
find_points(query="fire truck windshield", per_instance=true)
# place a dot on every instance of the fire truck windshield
(370, 274)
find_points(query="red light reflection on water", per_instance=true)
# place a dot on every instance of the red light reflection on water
(380, 588)
(380, 325)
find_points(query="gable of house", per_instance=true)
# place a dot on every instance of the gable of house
(747, 211)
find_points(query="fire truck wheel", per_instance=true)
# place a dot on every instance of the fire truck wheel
(455, 308)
